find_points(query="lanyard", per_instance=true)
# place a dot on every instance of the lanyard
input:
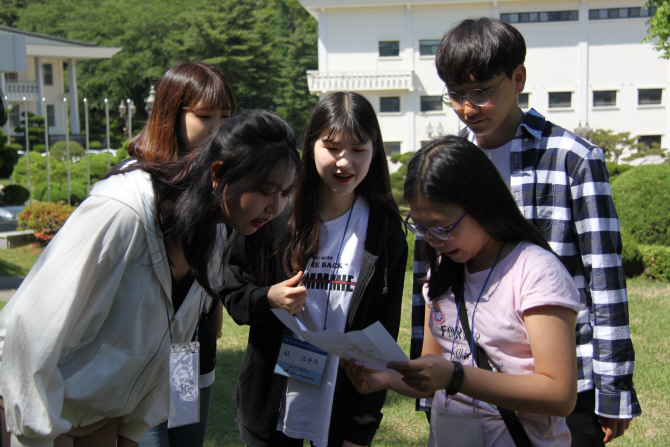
(169, 321)
(461, 300)
(337, 261)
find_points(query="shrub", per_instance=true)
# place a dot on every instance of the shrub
(657, 262)
(15, 195)
(40, 192)
(77, 193)
(631, 256)
(39, 148)
(45, 219)
(94, 145)
(615, 170)
(642, 199)
(58, 151)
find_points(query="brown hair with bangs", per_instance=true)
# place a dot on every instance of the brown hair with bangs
(187, 86)
(339, 115)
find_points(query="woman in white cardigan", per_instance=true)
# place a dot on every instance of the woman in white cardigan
(85, 340)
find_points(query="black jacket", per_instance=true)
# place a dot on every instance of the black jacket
(377, 297)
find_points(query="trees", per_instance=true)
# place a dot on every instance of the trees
(659, 26)
(612, 144)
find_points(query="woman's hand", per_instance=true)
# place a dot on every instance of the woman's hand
(427, 374)
(285, 295)
(366, 380)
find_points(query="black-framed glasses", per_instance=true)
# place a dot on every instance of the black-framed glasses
(477, 97)
(442, 233)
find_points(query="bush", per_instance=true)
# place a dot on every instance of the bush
(642, 199)
(15, 195)
(77, 193)
(45, 219)
(657, 262)
(58, 151)
(39, 148)
(631, 256)
(40, 192)
(94, 145)
(615, 170)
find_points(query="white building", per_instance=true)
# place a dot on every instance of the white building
(32, 67)
(585, 62)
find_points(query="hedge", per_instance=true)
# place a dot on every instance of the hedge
(657, 262)
(642, 200)
(45, 219)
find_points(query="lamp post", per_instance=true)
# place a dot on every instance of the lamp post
(88, 163)
(429, 130)
(46, 144)
(583, 131)
(440, 129)
(67, 148)
(149, 101)
(25, 113)
(107, 129)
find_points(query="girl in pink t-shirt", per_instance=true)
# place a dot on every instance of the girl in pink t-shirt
(493, 278)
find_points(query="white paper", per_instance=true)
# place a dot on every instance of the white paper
(373, 346)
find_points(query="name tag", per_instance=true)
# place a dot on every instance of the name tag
(184, 384)
(301, 360)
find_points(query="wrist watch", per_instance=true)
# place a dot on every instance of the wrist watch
(456, 379)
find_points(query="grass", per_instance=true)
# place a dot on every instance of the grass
(18, 261)
(649, 308)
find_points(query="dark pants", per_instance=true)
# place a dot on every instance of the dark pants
(583, 422)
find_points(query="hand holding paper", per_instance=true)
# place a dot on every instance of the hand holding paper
(372, 347)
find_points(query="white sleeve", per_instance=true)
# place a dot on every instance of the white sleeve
(64, 299)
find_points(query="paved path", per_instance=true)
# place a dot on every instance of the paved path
(8, 285)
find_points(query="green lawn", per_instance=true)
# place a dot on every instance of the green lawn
(650, 328)
(18, 261)
(402, 426)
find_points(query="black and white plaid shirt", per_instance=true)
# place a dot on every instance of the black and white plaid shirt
(560, 183)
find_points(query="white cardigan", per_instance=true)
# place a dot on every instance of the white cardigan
(86, 337)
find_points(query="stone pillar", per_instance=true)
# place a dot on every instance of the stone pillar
(410, 137)
(3, 87)
(74, 99)
(39, 78)
(323, 52)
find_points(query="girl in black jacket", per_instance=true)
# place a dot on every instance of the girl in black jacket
(346, 225)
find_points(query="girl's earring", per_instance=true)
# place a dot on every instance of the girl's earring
(214, 193)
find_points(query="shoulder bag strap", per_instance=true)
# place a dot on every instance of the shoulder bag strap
(509, 417)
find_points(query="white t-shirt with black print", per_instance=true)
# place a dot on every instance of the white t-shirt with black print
(306, 408)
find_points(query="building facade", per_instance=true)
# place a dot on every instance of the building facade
(585, 61)
(32, 76)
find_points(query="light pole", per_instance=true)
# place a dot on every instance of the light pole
(25, 113)
(107, 129)
(67, 149)
(129, 107)
(88, 163)
(149, 101)
(46, 144)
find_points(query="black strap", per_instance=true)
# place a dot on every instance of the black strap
(509, 417)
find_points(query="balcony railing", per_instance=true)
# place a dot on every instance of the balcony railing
(16, 91)
(324, 82)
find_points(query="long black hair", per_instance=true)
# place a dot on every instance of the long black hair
(251, 145)
(453, 171)
(345, 115)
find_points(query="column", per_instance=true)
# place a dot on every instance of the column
(409, 39)
(583, 70)
(74, 99)
(323, 51)
(410, 137)
(495, 10)
(39, 78)
(3, 87)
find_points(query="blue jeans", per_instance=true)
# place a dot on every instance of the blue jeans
(192, 435)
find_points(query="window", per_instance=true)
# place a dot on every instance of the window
(621, 13)
(48, 74)
(431, 103)
(548, 16)
(604, 98)
(389, 104)
(51, 115)
(15, 116)
(428, 47)
(391, 147)
(389, 48)
(649, 140)
(649, 96)
(12, 77)
(560, 99)
(522, 100)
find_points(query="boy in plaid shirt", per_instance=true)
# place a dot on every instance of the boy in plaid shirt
(560, 183)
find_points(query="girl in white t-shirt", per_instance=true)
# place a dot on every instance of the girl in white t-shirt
(493, 278)
(345, 220)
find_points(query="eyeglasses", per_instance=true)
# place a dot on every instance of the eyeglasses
(477, 97)
(442, 233)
